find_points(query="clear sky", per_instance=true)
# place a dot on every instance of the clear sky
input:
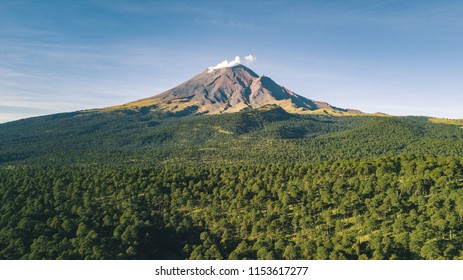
(397, 57)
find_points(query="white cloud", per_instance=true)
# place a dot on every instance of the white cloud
(250, 58)
(225, 64)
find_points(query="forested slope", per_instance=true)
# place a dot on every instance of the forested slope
(262, 135)
(261, 184)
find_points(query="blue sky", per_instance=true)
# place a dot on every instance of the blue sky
(397, 57)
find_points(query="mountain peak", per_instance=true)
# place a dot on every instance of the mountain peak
(234, 68)
(226, 88)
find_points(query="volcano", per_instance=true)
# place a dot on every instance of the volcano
(228, 90)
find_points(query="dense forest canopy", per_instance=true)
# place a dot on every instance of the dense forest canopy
(260, 184)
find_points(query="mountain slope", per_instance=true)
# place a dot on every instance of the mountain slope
(228, 90)
(267, 134)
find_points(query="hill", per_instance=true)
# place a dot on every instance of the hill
(125, 136)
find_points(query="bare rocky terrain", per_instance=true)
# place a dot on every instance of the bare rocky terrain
(228, 90)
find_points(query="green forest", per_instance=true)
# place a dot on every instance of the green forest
(260, 184)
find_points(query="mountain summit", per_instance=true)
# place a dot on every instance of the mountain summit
(230, 89)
